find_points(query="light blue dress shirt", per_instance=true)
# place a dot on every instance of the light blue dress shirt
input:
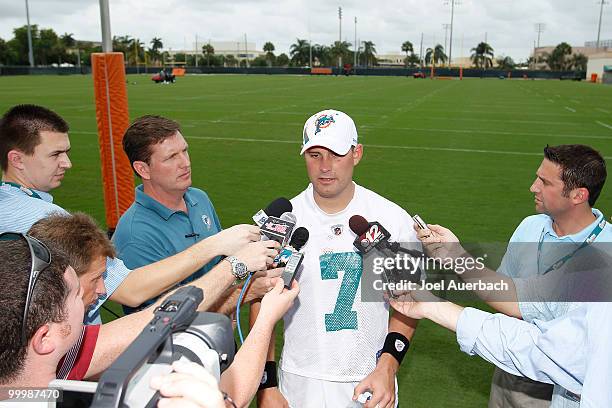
(572, 351)
(523, 264)
(19, 211)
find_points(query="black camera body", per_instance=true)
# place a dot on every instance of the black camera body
(177, 331)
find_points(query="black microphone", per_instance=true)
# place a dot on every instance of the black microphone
(275, 209)
(279, 229)
(372, 235)
(297, 242)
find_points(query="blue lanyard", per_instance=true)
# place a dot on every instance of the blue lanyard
(556, 265)
(30, 193)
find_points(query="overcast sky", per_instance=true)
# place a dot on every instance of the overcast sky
(507, 24)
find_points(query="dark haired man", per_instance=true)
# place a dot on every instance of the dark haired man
(34, 148)
(567, 185)
(168, 214)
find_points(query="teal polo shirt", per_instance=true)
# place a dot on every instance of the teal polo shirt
(149, 231)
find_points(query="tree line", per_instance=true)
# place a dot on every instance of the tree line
(51, 48)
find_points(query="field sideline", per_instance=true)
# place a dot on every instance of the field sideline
(459, 153)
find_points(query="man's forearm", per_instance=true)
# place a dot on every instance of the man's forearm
(446, 314)
(154, 279)
(116, 336)
(400, 324)
(241, 380)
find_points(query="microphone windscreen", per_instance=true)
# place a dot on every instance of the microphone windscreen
(358, 224)
(279, 206)
(299, 238)
(288, 216)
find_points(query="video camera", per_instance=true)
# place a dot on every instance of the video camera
(177, 331)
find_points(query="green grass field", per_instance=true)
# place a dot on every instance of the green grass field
(460, 153)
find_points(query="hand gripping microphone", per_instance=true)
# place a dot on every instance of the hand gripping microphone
(275, 208)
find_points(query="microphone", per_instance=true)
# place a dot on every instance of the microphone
(297, 242)
(275, 209)
(372, 235)
(279, 229)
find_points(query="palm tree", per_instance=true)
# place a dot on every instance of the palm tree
(230, 60)
(340, 50)
(135, 51)
(269, 49)
(482, 55)
(407, 47)
(412, 60)
(322, 54)
(556, 60)
(369, 52)
(208, 50)
(300, 52)
(435, 55)
(157, 44)
(68, 40)
(579, 62)
(505, 63)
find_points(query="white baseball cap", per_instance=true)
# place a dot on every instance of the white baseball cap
(331, 129)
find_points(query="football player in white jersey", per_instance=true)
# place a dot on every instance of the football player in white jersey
(337, 346)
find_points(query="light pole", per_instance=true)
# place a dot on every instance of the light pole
(107, 43)
(450, 48)
(446, 27)
(599, 29)
(30, 50)
(339, 36)
(355, 47)
(539, 27)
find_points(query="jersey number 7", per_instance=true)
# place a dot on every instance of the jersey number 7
(343, 316)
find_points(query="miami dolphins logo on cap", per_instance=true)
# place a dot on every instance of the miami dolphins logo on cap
(322, 122)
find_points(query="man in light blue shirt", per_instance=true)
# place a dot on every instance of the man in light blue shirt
(572, 351)
(34, 148)
(567, 185)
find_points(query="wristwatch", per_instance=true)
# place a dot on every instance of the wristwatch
(239, 268)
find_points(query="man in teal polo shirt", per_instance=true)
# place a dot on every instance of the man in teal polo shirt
(168, 214)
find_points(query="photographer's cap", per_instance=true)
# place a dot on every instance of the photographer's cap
(331, 129)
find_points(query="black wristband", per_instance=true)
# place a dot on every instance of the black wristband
(269, 378)
(396, 344)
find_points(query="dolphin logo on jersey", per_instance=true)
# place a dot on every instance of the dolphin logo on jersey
(322, 122)
(206, 221)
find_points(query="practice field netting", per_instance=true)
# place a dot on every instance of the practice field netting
(459, 153)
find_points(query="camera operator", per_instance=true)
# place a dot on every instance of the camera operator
(30, 355)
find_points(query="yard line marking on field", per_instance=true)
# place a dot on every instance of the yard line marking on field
(602, 110)
(574, 100)
(570, 109)
(551, 101)
(423, 148)
(603, 124)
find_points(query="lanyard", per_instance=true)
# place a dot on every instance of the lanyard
(556, 265)
(30, 193)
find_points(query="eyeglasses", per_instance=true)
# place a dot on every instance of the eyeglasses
(41, 259)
